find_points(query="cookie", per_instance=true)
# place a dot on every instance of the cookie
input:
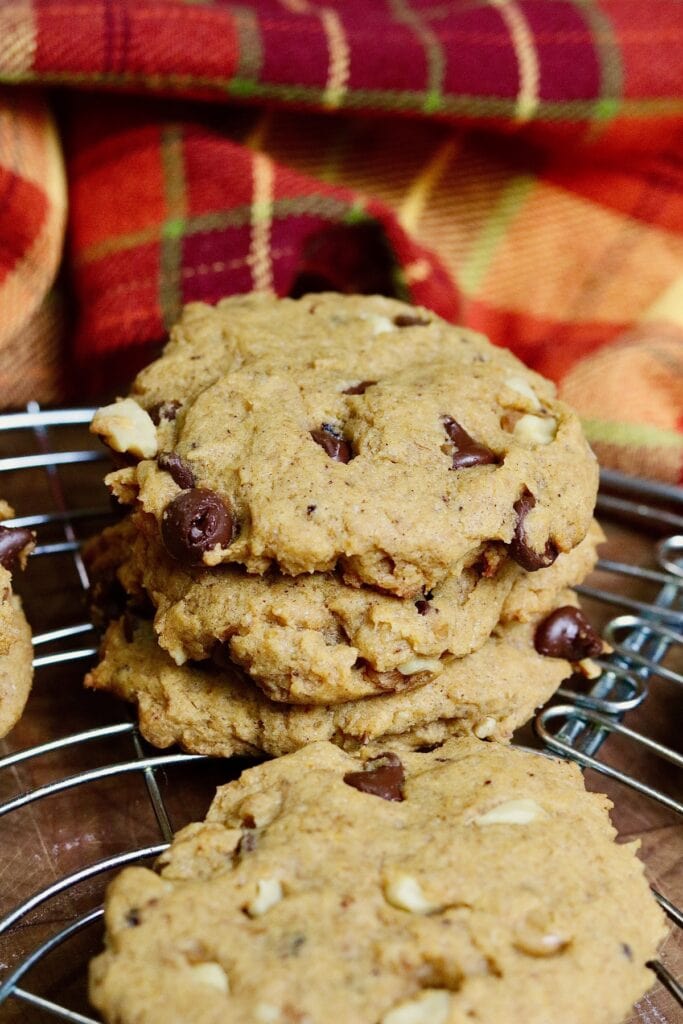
(354, 432)
(209, 710)
(312, 639)
(477, 882)
(16, 651)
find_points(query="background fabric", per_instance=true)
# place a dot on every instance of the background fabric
(516, 165)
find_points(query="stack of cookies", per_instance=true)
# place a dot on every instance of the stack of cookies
(349, 521)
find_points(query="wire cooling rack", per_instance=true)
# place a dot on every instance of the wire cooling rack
(58, 810)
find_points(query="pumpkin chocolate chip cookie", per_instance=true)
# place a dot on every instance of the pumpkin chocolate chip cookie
(477, 882)
(16, 652)
(349, 432)
(216, 710)
(312, 639)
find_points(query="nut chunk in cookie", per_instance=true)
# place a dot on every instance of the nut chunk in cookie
(474, 882)
(16, 652)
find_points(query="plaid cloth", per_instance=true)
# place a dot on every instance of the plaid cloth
(516, 165)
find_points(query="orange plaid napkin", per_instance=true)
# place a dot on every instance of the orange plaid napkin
(516, 165)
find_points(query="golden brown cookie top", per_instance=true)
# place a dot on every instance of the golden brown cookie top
(352, 431)
(474, 882)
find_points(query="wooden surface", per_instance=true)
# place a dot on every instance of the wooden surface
(63, 833)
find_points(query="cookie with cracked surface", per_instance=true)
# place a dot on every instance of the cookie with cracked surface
(219, 711)
(409, 888)
(355, 431)
(16, 652)
(312, 639)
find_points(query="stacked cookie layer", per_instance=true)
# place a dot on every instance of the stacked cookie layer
(350, 520)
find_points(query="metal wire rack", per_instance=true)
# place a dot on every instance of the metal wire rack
(576, 727)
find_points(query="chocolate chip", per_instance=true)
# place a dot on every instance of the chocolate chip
(359, 389)
(519, 548)
(177, 467)
(133, 917)
(383, 777)
(405, 320)
(567, 633)
(194, 522)
(164, 411)
(422, 606)
(329, 438)
(310, 509)
(13, 540)
(467, 452)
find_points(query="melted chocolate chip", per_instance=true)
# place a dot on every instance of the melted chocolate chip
(133, 917)
(467, 452)
(360, 388)
(519, 548)
(567, 633)
(422, 606)
(331, 441)
(164, 411)
(13, 540)
(384, 777)
(177, 467)
(405, 320)
(310, 509)
(194, 522)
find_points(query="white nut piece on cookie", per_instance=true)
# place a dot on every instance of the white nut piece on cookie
(415, 665)
(511, 812)
(524, 388)
(268, 893)
(531, 429)
(211, 973)
(485, 728)
(404, 892)
(431, 1007)
(267, 1013)
(125, 427)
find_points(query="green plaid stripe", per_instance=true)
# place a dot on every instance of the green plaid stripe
(608, 104)
(436, 59)
(406, 101)
(174, 227)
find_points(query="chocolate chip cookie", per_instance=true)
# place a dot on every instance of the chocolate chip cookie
(312, 639)
(219, 711)
(353, 432)
(476, 882)
(16, 652)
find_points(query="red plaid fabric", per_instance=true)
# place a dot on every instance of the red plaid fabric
(515, 165)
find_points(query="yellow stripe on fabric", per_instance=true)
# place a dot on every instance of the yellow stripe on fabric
(18, 38)
(511, 200)
(259, 258)
(424, 184)
(339, 58)
(612, 432)
(527, 58)
(668, 306)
